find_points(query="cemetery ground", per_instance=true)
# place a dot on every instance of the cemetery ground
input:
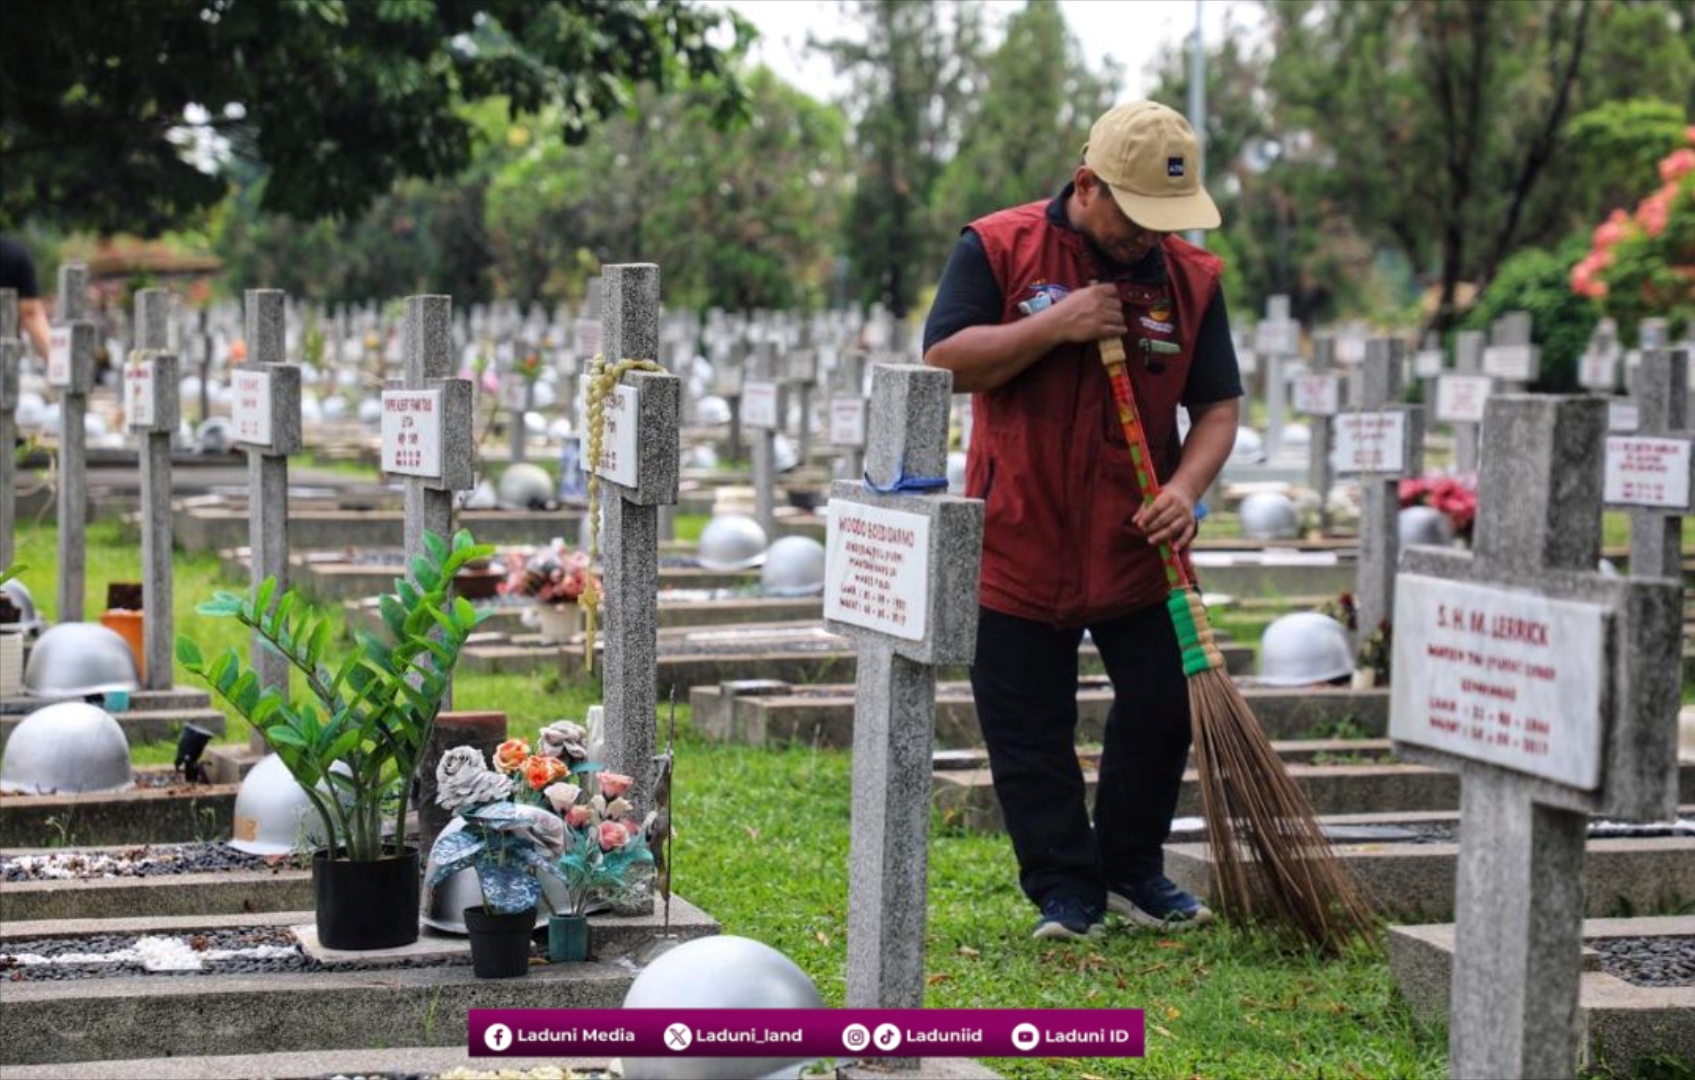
(762, 844)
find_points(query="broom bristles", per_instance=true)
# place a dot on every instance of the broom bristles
(1271, 858)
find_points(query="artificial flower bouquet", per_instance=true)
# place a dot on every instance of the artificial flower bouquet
(554, 574)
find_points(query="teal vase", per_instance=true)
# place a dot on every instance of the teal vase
(567, 938)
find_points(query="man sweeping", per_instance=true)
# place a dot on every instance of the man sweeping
(1070, 542)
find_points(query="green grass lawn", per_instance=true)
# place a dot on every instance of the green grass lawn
(762, 841)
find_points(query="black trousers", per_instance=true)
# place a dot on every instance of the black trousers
(1025, 683)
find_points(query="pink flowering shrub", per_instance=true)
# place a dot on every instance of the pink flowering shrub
(1642, 264)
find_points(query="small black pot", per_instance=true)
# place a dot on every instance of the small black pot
(366, 905)
(500, 944)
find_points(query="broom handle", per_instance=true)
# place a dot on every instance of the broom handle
(1188, 615)
(1136, 436)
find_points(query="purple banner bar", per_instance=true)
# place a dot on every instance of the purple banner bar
(806, 1033)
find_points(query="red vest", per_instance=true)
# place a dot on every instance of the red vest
(1047, 452)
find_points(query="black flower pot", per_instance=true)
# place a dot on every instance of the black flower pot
(366, 905)
(500, 944)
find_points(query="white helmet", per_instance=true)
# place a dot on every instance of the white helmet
(273, 816)
(66, 748)
(213, 436)
(1304, 648)
(1425, 525)
(1297, 435)
(783, 453)
(370, 411)
(1249, 448)
(719, 972)
(703, 456)
(524, 486)
(29, 620)
(732, 542)
(1267, 515)
(794, 566)
(445, 904)
(77, 658)
(712, 411)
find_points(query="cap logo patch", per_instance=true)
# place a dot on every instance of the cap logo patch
(1174, 166)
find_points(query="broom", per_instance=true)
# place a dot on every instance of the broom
(1256, 816)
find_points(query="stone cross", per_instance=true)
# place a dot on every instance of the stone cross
(638, 470)
(518, 398)
(727, 376)
(1553, 691)
(1510, 358)
(1381, 443)
(266, 420)
(426, 424)
(1650, 472)
(1318, 393)
(152, 408)
(1428, 363)
(11, 356)
(70, 370)
(848, 412)
(901, 581)
(801, 373)
(1277, 338)
(1597, 369)
(1461, 397)
(764, 404)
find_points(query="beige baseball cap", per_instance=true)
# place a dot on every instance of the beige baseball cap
(1150, 157)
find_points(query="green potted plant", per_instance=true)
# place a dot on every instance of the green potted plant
(354, 742)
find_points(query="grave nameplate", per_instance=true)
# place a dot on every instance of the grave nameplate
(619, 427)
(411, 433)
(847, 421)
(1318, 395)
(1511, 363)
(139, 389)
(759, 405)
(588, 337)
(1427, 363)
(877, 570)
(250, 411)
(1644, 471)
(1501, 676)
(1597, 370)
(59, 357)
(1461, 399)
(1281, 337)
(514, 392)
(1623, 416)
(1371, 442)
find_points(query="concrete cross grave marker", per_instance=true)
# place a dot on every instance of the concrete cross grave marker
(848, 411)
(1278, 339)
(1462, 396)
(518, 398)
(800, 371)
(764, 403)
(1553, 691)
(632, 491)
(901, 581)
(426, 424)
(1380, 443)
(11, 358)
(1318, 393)
(70, 371)
(1652, 471)
(265, 418)
(1510, 358)
(1597, 369)
(152, 407)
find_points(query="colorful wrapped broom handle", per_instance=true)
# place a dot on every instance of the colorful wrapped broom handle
(1194, 633)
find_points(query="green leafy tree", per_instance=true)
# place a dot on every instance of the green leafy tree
(742, 217)
(336, 98)
(1443, 127)
(1561, 321)
(1020, 138)
(911, 74)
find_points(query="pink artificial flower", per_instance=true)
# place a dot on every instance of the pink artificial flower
(613, 835)
(614, 784)
(562, 796)
(577, 816)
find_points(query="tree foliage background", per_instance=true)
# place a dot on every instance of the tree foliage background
(1385, 159)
